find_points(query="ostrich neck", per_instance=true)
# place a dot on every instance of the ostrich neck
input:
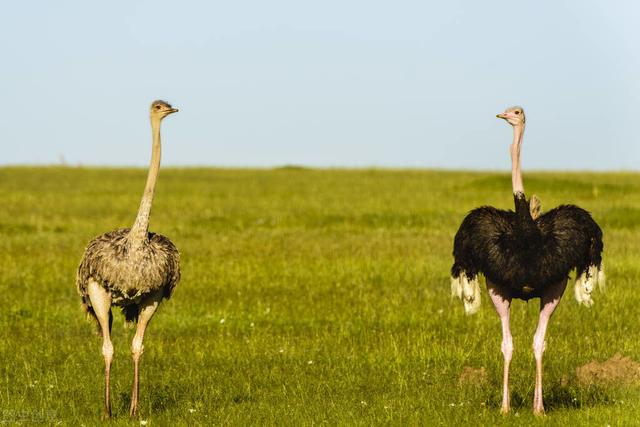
(516, 173)
(138, 233)
(529, 231)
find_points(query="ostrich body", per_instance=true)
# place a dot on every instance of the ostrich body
(130, 268)
(525, 255)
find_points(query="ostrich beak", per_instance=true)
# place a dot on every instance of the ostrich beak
(501, 116)
(173, 110)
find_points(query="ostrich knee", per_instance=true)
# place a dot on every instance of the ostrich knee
(507, 348)
(538, 346)
(107, 352)
(137, 348)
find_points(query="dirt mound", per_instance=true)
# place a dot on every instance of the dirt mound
(617, 370)
(473, 376)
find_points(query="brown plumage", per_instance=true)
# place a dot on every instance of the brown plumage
(130, 268)
(128, 275)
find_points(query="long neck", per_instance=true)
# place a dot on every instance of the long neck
(516, 173)
(527, 224)
(140, 228)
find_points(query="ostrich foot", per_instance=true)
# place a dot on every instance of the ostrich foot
(505, 408)
(538, 406)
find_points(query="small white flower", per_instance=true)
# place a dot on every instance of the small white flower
(252, 325)
(222, 321)
(452, 404)
(143, 422)
(191, 410)
(281, 350)
(440, 311)
(363, 403)
(309, 362)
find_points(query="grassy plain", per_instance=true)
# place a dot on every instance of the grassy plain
(308, 297)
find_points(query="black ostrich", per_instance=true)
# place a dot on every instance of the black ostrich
(525, 256)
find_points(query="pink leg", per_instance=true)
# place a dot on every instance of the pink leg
(503, 304)
(548, 303)
(101, 303)
(148, 307)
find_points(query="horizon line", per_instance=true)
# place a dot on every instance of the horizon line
(294, 166)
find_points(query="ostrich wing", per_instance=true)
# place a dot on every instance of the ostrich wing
(130, 275)
(170, 258)
(485, 242)
(572, 239)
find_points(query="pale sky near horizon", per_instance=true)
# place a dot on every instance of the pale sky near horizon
(332, 83)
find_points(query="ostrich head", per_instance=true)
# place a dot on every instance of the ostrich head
(513, 115)
(161, 109)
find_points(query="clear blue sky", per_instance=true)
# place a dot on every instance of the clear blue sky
(330, 83)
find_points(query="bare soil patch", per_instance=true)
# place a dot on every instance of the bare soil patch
(473, 376)
(618, 370)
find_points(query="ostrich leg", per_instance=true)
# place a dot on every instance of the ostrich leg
(548, 303)
(101, 303)
(148, 307)
(502, 305)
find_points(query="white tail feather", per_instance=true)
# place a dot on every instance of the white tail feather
(587, 282)
(468, 291)
(602, 279)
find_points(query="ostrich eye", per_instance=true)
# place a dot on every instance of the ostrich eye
(517, 112)
(157, 107)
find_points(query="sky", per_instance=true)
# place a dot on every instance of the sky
(325, 84)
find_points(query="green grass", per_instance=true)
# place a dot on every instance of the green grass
(307, 297)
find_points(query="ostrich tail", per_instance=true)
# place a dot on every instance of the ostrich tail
(468, 290)
(535, 206)
(587, 282)
(130, 315)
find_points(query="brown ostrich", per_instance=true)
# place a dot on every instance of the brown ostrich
(133, 269)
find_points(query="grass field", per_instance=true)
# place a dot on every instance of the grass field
(307, 297)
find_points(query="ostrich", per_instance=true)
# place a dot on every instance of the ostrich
(525, 255)
(130, 268)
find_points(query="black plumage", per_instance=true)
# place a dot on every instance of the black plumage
(523, 255)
